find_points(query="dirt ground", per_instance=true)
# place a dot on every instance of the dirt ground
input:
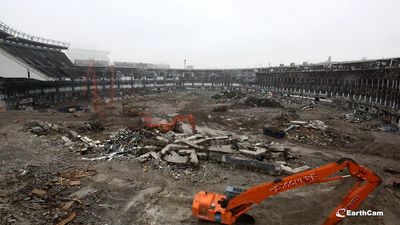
(123, 192)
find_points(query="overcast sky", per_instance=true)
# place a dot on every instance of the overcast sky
(216, 33)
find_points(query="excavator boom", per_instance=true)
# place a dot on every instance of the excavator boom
(226, 208)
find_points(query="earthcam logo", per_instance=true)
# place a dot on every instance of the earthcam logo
(341, 213)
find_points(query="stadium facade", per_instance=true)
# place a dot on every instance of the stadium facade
(36, 71)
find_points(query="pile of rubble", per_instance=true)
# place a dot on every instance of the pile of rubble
(357, 117)
(241, 99)
(181, 149)
(94, 125)
(188, 150)
(43, 128)
(228, 96)
(315, 132)
(252, 101)
(55, 196)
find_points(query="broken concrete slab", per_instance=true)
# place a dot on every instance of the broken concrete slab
(162, 139)
(173, 157)
(72, 134)
(259, 152)
(194, 137)
(67, 141)
(220, 140)
(191, 144)
(299, 122)
(222, 148)
(169, 147)
(289, 170)
(146, 156)
(280, 162)
(286, 169)
(202, 141)
(149, 148)
(186, 151)
(202, 155)
(301, 169)
(193, 158)
(216, 156)
(277, 148)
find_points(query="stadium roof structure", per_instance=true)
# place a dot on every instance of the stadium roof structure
(9, 34)
(40, 54)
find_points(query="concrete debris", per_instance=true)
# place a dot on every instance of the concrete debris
(289, 170)
(193, 158)
(164, 140)
(299, 122)
(216, 156)
(280, 162)
(189, 143)
(67, 141)
(357, 116)
(147, 156)
(169, 147)
(202, 155)
(173, 157)
(316, 124)
(149, 148)
(291, 126)
(94, 125)
(220, 140)
(222, 148)
(276, 147)
(259, 152)
(186, 151)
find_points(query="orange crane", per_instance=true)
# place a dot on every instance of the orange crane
(226, 208)
(165, 127)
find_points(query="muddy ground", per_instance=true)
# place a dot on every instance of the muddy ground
(125, 192)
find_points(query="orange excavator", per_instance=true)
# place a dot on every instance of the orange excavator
(227, 208)
(168, 126)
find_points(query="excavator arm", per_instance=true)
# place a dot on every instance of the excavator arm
(226, 209)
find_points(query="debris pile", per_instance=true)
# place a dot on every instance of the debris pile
(188, 150)
(38, 127)
(315, 132)
(241, 99)
(357, 117)
(228, 96)
(43, 128)
(251, 101)
(94, 125)
(46, 194)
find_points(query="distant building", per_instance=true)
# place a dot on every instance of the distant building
(84, 56)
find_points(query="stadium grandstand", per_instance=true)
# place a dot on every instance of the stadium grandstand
(37, 71)
(26, 56)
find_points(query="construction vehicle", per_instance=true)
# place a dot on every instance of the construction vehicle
(227, 208)
(168, 126)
